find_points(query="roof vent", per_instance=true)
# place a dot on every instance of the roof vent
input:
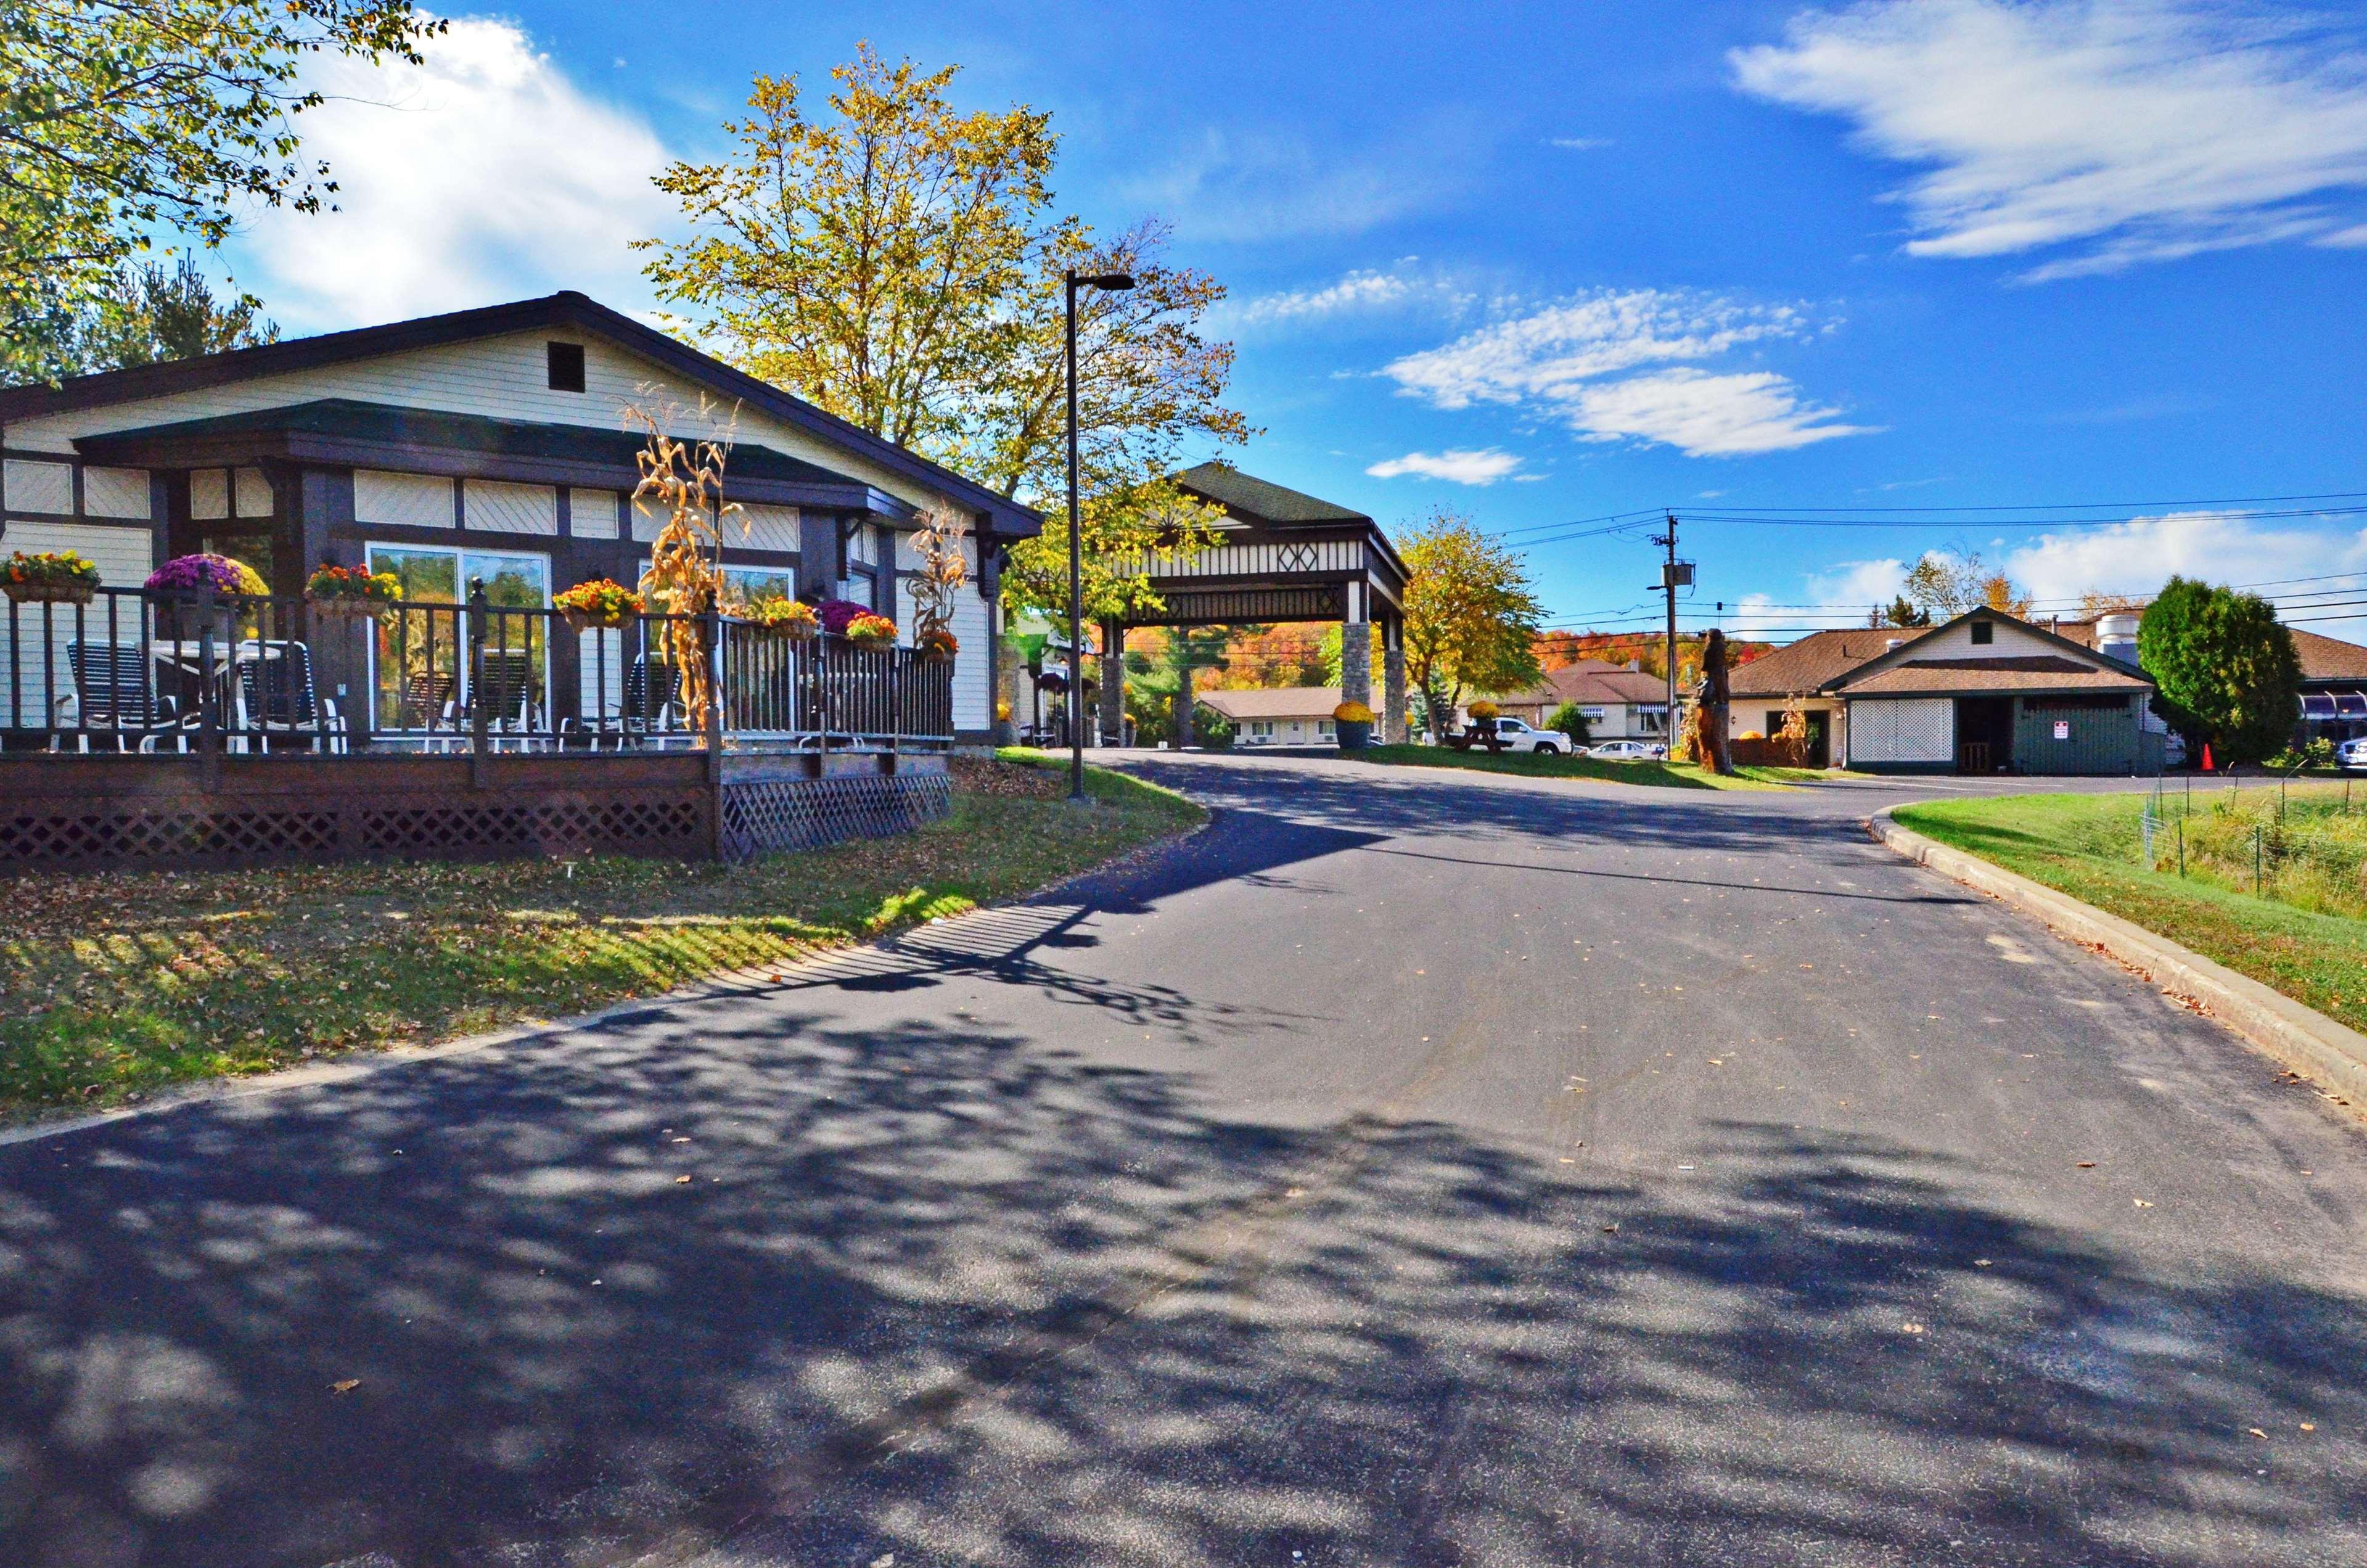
(1890, 642)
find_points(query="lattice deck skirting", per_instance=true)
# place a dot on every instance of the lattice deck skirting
(760, 817)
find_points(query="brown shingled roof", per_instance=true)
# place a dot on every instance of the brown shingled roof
(1274, 702)
(2322, 657)
(1591, 681)
(1819, 657)
(1963, 677)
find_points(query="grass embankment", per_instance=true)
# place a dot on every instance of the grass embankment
(1653, 775)
(2306, 934)
(116, 983)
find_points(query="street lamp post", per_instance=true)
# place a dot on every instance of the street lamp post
(1113, 282)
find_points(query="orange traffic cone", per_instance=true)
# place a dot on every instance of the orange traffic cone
(2206, 756)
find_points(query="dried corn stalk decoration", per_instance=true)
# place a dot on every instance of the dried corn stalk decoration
(682, 481)
(937, 587)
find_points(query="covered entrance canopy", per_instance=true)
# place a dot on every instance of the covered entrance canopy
(1283, 555)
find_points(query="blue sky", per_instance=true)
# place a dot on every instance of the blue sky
(1552, 263)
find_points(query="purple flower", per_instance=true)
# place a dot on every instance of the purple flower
(197, 573)
(837, 615)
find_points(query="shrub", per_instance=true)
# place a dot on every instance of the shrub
(1212, 729)
(1571, 721)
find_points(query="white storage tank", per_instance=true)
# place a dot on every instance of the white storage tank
(2116, 637)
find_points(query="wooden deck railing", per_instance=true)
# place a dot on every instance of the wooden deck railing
(132, 670)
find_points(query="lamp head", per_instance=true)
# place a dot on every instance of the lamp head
(1110, 280)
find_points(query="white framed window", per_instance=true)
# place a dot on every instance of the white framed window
(418, 658)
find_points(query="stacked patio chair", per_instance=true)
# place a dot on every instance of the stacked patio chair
(115, 693)
(507, 690)
(425, 704)
(654, 711)
(274, 682)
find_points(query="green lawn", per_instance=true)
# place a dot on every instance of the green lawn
(2090, 846)
(116, 983)
(1656, 775)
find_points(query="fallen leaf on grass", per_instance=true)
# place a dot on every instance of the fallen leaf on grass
(345, 1385)
(2143, 1204)
(681, 1181)
(2087, 1165)
(2256, 1432)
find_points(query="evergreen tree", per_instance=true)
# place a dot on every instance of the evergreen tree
(2226, 668)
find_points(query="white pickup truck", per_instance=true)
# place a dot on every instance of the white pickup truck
(1509, 735)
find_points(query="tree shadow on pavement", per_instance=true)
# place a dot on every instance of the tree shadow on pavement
(943, 1295)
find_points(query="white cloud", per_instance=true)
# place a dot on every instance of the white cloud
(2138, 556)
(1461, 466)
(1836, 595)
(1580, 143)
(1705, 415)
(2136, 130)
(1362, 292)
(1579, 359)
(1261, 183)
(484, 175)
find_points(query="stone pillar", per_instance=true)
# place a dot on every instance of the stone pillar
(1185, 698)
(1356, 662)
(1113, 693)
(1393, 683)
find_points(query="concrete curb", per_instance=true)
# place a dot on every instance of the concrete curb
(2304, 1039)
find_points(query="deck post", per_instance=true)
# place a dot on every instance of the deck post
(710, 642)
(478, 713)
(210, 740)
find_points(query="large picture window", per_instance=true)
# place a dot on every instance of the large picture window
(421, 678)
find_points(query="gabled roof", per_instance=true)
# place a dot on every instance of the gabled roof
(1969, 673)
(1815, 661)
(371, 434)
(1982, 676)
(1274, 702)
(2322, 657)
(567, 309)
(1593, 681)
(1261, 500)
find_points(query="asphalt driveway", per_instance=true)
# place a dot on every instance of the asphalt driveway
(1415, 1167)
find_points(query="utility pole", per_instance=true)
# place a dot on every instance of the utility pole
(1675, 575)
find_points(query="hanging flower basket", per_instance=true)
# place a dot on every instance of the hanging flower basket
(598, 606)
(936, 645)
(786, 619)
(217, 574)
(351, 593)
(871, 631)
(49, 578)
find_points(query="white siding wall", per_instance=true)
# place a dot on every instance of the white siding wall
(1956, 643)
(255, 497)
(767, 527)
(413, 500)
(1921, 729)
(210, 494)
(37, 486)
(124, 558)
(493, 506)
(500, 378)
(117, 493)
(592, 513)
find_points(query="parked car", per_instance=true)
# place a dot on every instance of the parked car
(1628, 751)
(1509, 735)
(2353, 753)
